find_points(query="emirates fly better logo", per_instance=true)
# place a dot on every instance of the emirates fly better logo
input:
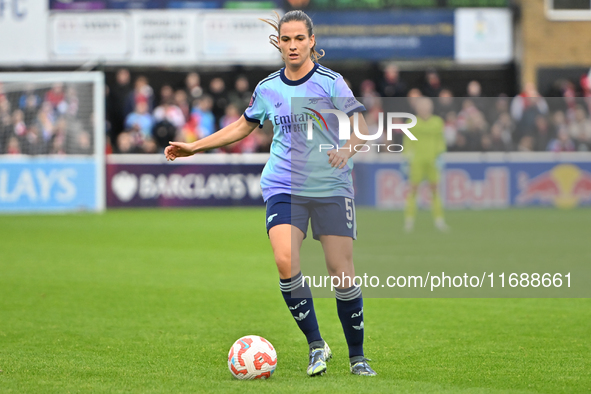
(345, 129)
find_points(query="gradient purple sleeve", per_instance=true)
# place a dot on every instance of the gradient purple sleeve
(256, 111)
(343, 99)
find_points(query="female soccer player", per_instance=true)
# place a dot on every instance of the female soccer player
(297, 187)
(425, 162)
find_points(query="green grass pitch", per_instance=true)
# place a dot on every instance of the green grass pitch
(149, 301)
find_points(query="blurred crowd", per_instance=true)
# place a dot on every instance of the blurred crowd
(51, 119)
(44, 119)
(144, 121)
(527, 122)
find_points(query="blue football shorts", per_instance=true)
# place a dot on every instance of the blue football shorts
(328, 215)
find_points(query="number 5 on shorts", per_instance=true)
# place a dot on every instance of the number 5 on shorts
(349, 208)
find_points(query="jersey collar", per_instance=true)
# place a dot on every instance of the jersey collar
(299, 81)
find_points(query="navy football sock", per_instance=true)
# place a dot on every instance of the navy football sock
(350, 310)
(301, 308)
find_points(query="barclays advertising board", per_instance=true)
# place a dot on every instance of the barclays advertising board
(187, 185)
(50, 184)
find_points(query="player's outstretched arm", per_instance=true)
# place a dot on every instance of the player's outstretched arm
(229, 134)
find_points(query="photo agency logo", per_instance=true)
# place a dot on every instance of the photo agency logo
(345, 130)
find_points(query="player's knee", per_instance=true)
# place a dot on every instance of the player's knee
(283, 257)
(346, 271)
(285, 263)
(342, 266)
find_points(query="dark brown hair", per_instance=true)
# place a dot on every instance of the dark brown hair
(291, 16)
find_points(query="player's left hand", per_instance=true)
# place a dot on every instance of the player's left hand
(338, 159)
(177, 149)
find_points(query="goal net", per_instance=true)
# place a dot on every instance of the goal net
(52, 141)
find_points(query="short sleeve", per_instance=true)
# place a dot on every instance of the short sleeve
(343, 99)
(256, 111)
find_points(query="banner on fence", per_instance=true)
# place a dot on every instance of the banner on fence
(49, 184)
(167, 185)
(481, 184)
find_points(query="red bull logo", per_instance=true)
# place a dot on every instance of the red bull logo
(461, 191)
(564, 186)
(490, 192)
(392, 189)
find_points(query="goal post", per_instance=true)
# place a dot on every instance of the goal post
(52, 142)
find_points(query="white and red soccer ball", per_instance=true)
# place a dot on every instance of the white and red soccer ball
(252, 357)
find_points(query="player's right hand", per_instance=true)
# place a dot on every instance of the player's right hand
(177, 149)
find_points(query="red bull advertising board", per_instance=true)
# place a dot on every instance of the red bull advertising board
(481, 181)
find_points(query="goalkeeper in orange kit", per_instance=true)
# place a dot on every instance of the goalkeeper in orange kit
(425, 161)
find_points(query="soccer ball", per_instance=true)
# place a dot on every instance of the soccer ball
(252, 357)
